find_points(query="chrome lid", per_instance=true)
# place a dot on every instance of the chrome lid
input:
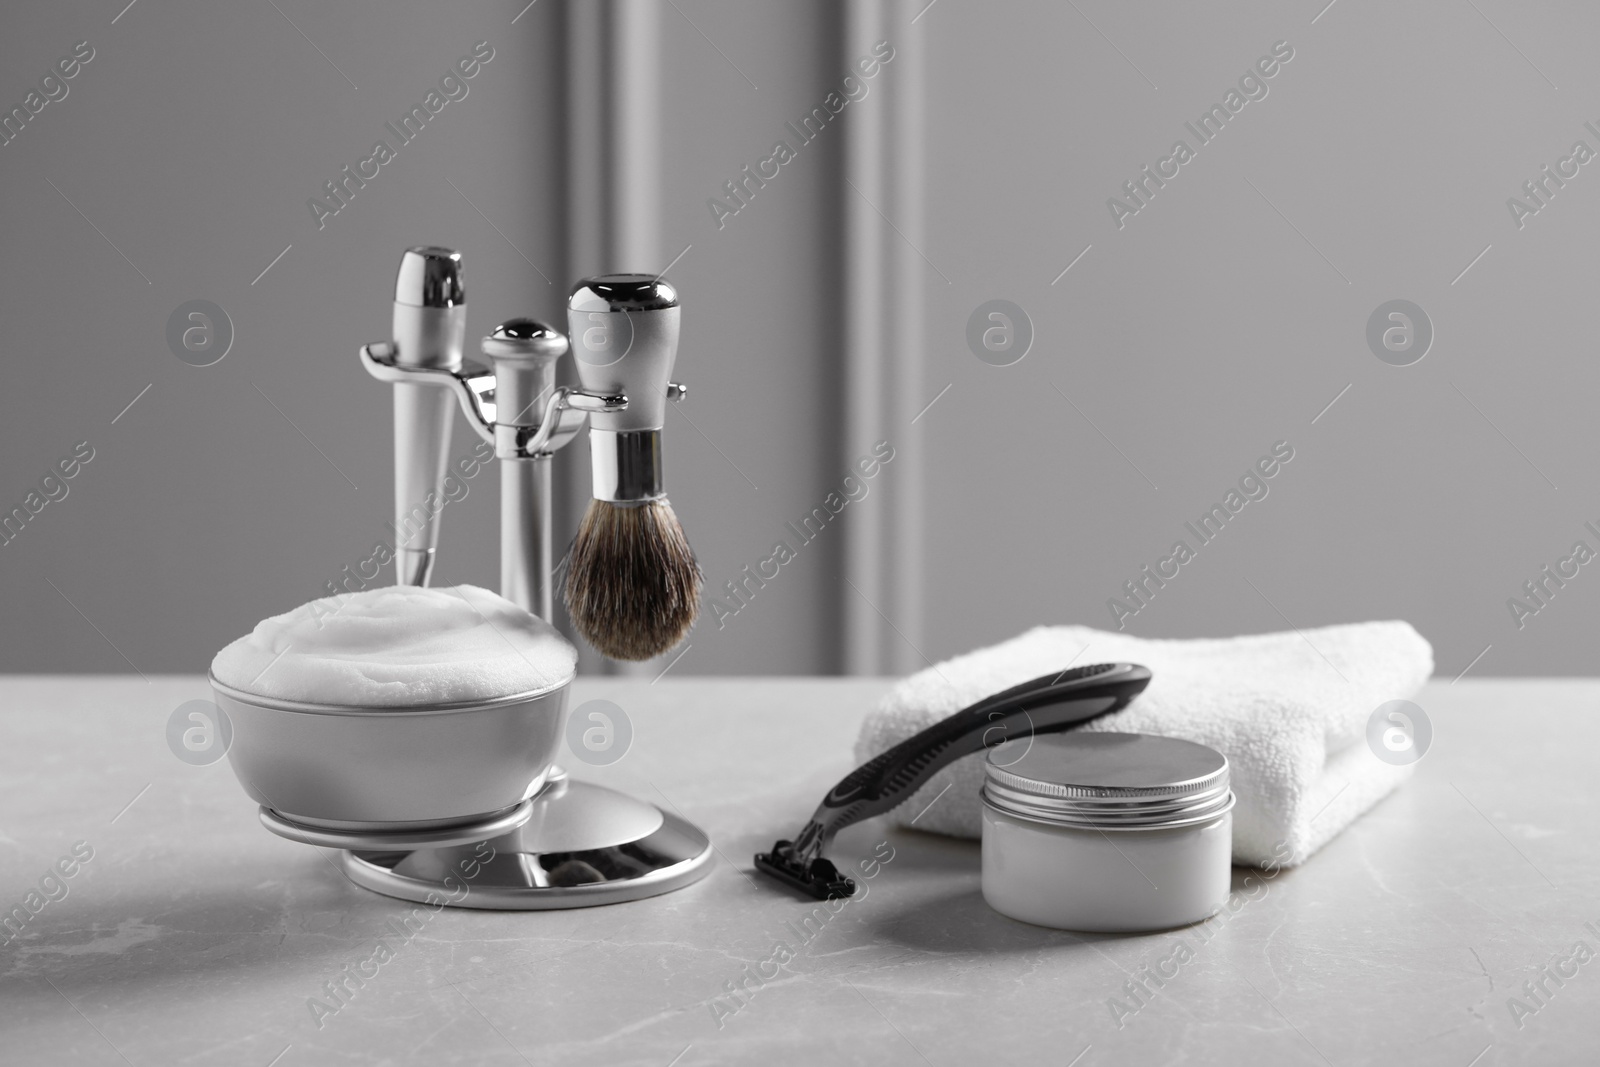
(430, 277)
(1108, 781)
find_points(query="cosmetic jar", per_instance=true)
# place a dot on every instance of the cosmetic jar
(1106, 832)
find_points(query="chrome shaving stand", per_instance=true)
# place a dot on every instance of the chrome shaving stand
(571, 844)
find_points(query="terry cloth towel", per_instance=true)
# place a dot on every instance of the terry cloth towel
(1289, 710)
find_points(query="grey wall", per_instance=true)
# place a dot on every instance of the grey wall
(1220, 319)
(192, 141)
(1211, 325)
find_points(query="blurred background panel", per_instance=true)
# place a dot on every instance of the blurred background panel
(1171, 348)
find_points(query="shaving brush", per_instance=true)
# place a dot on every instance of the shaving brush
(633, 585)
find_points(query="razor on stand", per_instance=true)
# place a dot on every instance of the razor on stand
(581, 844)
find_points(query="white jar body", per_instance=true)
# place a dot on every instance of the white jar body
(1119, 881)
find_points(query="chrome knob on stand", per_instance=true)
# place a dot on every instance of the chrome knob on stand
(525, 354)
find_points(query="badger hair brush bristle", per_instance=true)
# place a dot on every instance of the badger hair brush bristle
(633, 585)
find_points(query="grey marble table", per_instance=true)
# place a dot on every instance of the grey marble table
(193, 936)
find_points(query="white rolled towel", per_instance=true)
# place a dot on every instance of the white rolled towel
(1289, 710)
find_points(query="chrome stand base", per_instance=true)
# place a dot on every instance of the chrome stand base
(582, 845)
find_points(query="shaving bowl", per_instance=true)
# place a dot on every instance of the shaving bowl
(393, 769)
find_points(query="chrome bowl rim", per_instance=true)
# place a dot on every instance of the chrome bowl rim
(357, 710)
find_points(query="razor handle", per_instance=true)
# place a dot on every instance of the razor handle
(1050, 703)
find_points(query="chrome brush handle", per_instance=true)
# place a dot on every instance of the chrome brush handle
(625, 340)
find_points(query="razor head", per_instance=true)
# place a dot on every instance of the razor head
(817, 878)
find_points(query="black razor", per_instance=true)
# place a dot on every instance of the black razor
(1050, 703)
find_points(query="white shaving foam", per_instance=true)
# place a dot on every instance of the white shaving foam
(399, 646)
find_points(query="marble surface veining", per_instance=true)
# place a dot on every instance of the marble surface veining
(195, 937)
